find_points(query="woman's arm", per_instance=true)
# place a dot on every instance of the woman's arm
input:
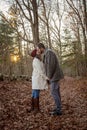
(38, 68)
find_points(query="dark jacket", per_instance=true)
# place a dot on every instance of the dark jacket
(53, 70)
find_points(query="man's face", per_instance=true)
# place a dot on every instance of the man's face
(40, 50)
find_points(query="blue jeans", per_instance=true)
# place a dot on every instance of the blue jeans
(35, 93)
(55, 92)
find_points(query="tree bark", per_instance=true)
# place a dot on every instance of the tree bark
(35, 24)
(85, 30)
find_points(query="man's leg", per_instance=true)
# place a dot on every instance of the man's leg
(55, 91)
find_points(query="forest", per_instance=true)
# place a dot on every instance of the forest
(61, 25)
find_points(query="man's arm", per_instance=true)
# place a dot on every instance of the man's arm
(50, 64)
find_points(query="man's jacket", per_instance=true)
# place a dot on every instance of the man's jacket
(53, 70)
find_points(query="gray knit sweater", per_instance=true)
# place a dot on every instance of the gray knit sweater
(53, 70)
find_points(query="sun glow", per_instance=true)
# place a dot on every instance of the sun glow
(15, 58)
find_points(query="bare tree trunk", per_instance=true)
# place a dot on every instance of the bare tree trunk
(48, 32)
(46, 21)
(35, 24)
(85, 14)
(31, 7)
(85, 30)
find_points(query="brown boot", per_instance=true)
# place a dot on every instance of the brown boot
(32, 105)
(36, 104)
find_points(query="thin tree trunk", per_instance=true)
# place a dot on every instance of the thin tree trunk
(48, 32)
(85, 31)
(35, 24)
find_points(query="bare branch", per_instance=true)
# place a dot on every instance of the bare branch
(22, 10)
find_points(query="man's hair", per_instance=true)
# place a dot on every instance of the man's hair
(41, 45)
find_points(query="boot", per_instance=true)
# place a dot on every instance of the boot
(36, 104)
(32, 105)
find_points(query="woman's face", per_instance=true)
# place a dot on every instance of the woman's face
(38, 51)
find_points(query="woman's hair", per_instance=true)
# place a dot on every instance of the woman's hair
(41, 45)
(34, 53)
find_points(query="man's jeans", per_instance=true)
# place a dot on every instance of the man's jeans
(55, 92)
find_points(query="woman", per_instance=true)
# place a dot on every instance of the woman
(39, 80)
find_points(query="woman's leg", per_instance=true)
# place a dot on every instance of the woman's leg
(36, 100)
(32, 102)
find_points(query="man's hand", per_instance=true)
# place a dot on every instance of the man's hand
(48, 80)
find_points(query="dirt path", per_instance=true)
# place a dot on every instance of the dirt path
(15, 99)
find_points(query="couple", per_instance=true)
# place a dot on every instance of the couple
(44, 73)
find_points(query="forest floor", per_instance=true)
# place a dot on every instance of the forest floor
(15, 99)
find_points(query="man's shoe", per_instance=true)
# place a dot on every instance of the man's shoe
(55, 109)
(55, 113)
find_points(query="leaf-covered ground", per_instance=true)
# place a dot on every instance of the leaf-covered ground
(15, 99)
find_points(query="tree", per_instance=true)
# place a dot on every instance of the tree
(6, 42)
(45, 11)
(79, 10)
(57, 25)
(29, 11)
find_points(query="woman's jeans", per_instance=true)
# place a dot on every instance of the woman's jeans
(55, 92)
(35, 93)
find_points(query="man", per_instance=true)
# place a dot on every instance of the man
(54, 74)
